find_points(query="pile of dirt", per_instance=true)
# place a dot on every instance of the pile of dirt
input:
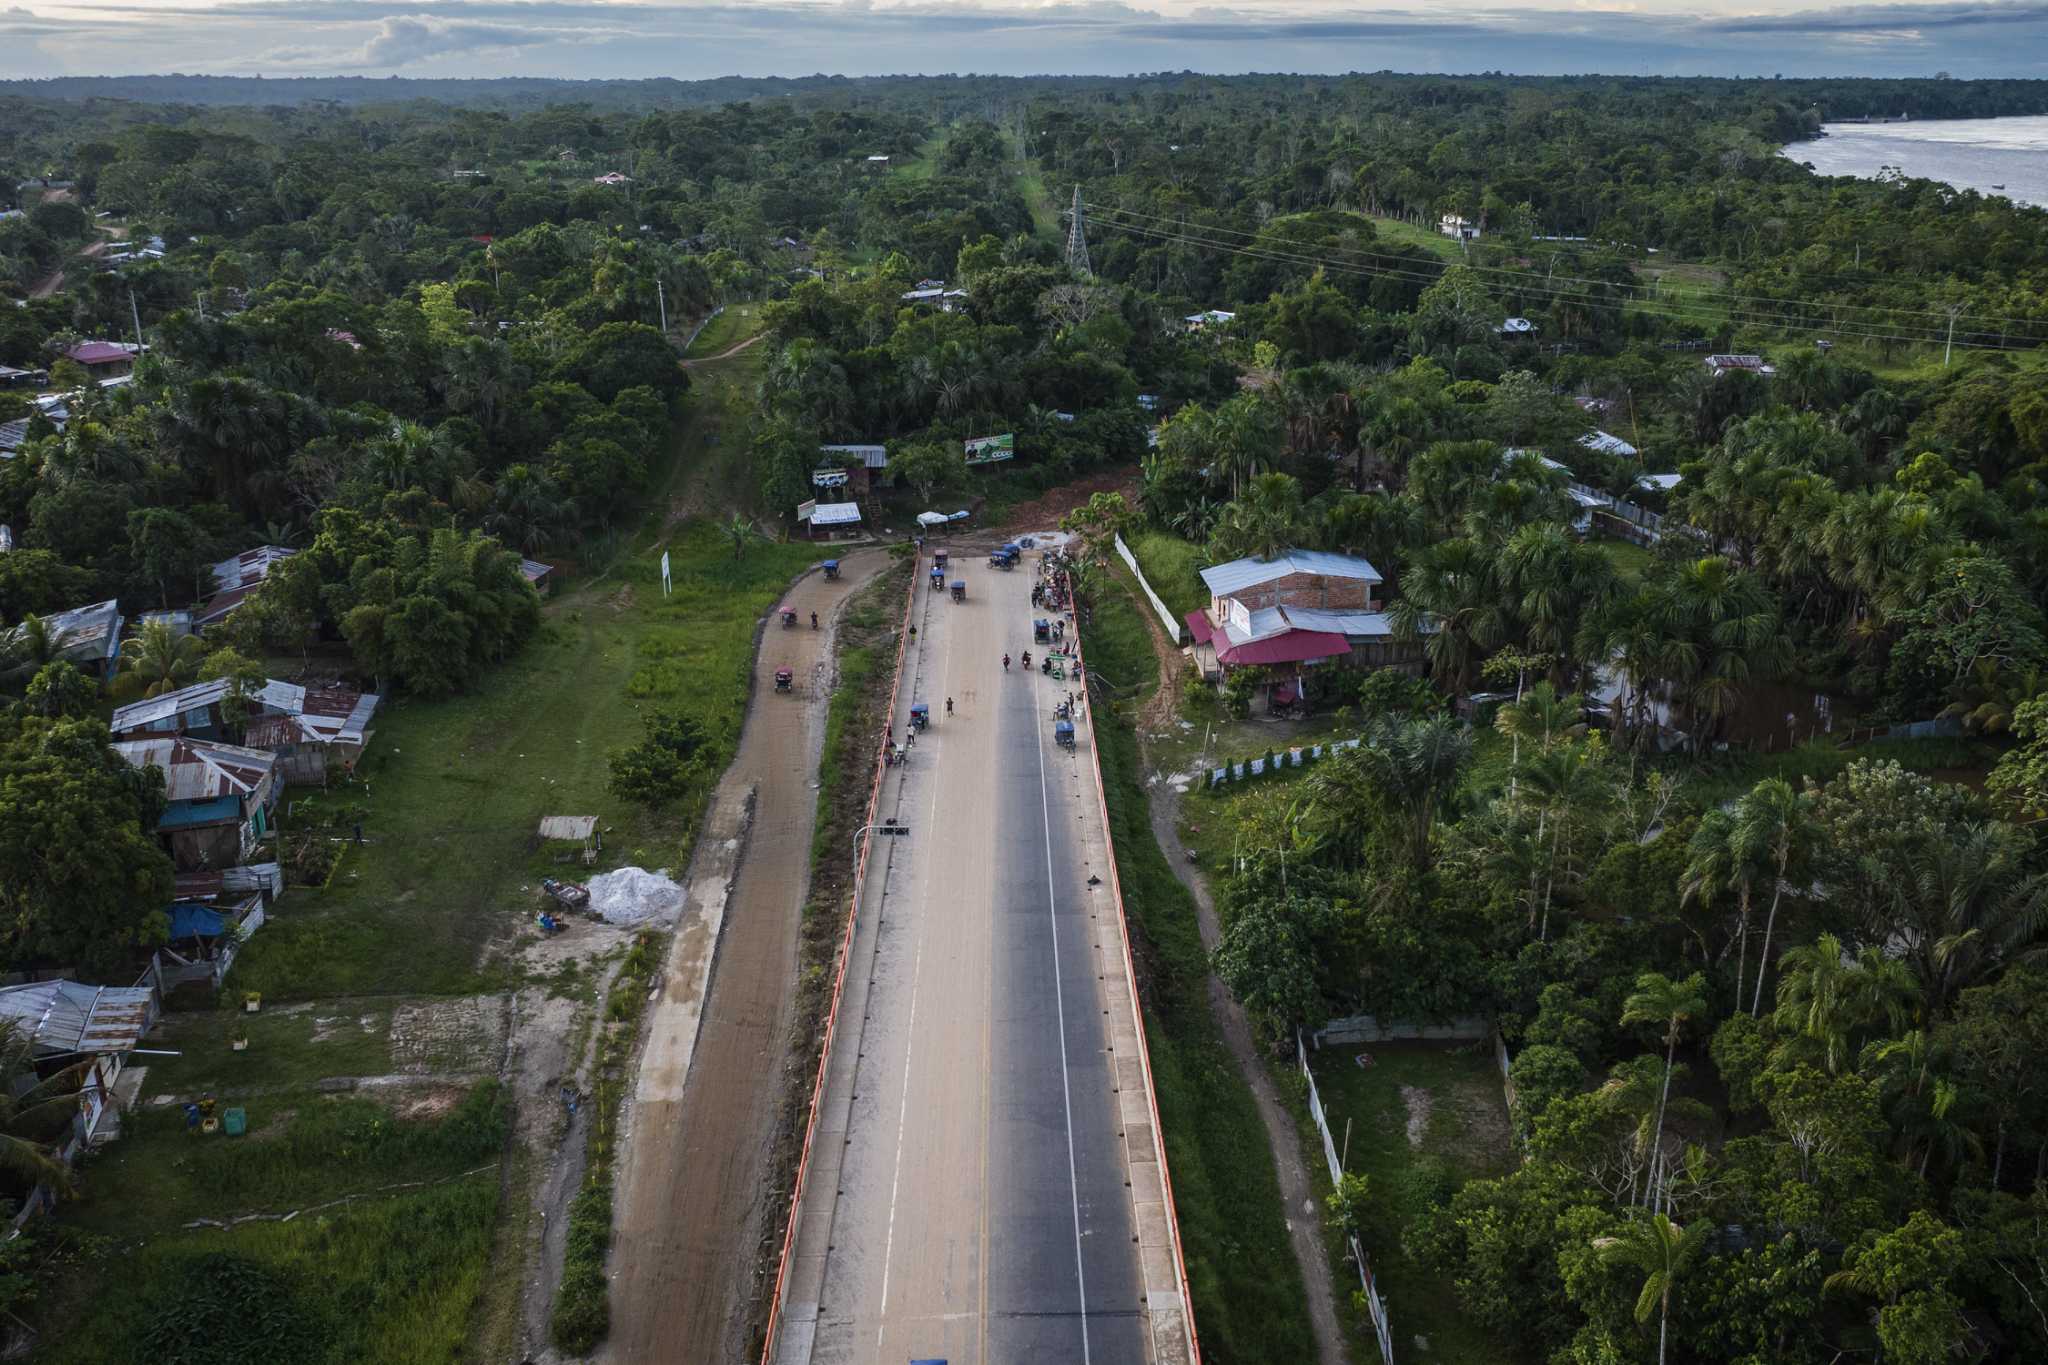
(1047, 509)
(635, 896)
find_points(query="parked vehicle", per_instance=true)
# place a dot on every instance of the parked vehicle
(568, 895)
(920, 715)
(1063, 734)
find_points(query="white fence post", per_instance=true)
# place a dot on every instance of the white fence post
(1376, 1307)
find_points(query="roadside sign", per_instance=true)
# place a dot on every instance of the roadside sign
(665, 584)
(989, 449)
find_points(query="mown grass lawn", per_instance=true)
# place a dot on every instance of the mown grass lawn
(1423, 1119)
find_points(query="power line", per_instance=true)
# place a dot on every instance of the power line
(1856, 328)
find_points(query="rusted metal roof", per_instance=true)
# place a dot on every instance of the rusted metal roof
(200, 769)
(323, 715)
(64, 1018)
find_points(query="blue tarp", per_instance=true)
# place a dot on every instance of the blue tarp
(196, 921)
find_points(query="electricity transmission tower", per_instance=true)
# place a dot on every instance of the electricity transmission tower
(1077, 239)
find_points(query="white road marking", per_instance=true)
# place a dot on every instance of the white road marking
(916, 975)
(1059, 999)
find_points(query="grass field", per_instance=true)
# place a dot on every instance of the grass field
(1421, 1120)
(427, 908)
(391, 1275)
(1407, 234)
(738, 322)
(1246, 1284)
(1631, 561)
(457, 787)
(1174, 569)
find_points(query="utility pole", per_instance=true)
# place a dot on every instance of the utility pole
(136, 314)
(662, 299)
(1077, 239)
(1947, 349)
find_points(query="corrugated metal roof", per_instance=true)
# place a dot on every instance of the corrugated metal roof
(64, 1018)
(533, 571)
(91, 633)
(1606, 444)
(873, 457)
(1355, 624)
(312, 716)
(835, 514)
(200, 769)
(1239, 574)
(575, 828)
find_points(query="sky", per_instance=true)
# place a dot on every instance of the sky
(691, 40)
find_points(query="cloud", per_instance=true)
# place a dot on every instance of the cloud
(1888, 18)
(686, 39)
(401, 40)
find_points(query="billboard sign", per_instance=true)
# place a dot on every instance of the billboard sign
(989, 449)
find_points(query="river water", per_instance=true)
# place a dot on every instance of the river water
(2007, 156)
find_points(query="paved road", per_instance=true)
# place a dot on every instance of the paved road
(970, 1197)
(694, 1171)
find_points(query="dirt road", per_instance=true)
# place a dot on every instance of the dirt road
(701, 1125)
(984, 1186)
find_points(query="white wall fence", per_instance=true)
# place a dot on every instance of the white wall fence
(1363, 1028)
(1369, 1289)
(691, 339)
(1173, 625)
(1285, 758)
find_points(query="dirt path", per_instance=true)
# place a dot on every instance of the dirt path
(54, 281)
(1304, 1218)
(727, 354)
(700, 1129)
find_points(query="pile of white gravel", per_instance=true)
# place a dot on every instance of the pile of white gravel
(633, 895)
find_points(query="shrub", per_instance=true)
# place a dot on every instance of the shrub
(665, 765)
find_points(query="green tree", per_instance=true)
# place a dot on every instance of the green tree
(1772, 818)
(60, 691)
(1906, 1272)
(1670, 1005)
(926, 465)
(82, 880)
(740, 533)
(34, 1109)
(164, 658)
(1663, 1252)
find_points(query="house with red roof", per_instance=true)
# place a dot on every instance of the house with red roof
(104, 360)
(1294, 613)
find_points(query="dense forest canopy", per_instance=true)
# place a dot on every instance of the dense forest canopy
(1780, 1042)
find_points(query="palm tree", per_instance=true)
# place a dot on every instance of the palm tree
(1451, 604)
(1568, 788)
(163, 658)
(31, 1109)
(740, 533)
(1555, 584)
(1721, 859)
(1398, 779)
(1772, 817)
(1662, 1251)
(1966, 906)
(1660, 1000)
(1542, 717)
(1824, 996)
(29, 645)
(1921, 1103)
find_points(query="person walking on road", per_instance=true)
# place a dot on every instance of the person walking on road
(949, 706)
